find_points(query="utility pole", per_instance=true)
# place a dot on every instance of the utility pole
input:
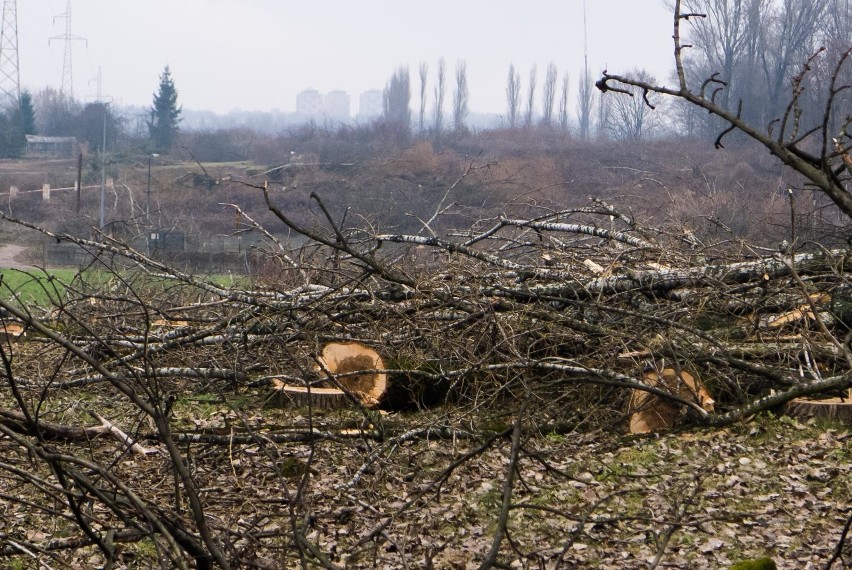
(587, 119)
(67, 89)
(10, 76)
(148, 194)
(100, 99)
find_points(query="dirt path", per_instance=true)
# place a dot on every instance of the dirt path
(9, 254)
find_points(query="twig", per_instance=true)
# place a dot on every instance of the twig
(508, 483)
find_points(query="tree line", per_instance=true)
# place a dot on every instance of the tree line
(748, 51)
(754, 49)
(50, 112)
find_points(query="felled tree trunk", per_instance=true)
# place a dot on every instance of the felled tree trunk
(836, 409)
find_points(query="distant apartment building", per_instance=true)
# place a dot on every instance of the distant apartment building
(333, 106)
(309, 103)
(336, 106)
(370, 105)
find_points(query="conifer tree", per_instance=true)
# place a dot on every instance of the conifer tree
(165, 114)
(28, 121)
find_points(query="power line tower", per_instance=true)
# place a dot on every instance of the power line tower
(67, 89)
(10, 77)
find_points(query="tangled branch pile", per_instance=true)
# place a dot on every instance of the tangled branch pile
(494, 333)
(545, 323)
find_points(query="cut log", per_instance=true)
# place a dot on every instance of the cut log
(168, 324)
(354, 367)
(285, 395)
(801, 312)
(835, 409)
(411, 383)
(651, 412)
(11, 332)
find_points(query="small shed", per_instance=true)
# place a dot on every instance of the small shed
(167, 240)
(38, 145)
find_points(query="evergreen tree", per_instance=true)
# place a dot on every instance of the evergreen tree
(9, 147)
(28, 120)
(165, 114)
(14, 126)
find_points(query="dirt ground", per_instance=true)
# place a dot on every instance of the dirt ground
(11, 256)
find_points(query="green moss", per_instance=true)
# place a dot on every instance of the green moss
(756, 564)
(292, 468)
(145, 548)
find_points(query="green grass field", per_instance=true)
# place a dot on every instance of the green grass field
(34, 287)
(37, 288)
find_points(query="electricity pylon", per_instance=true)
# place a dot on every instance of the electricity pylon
(67, 89)
(10, 77)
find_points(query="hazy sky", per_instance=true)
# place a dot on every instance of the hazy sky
(257, 54)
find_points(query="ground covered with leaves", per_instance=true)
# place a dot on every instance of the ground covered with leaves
(432, 496)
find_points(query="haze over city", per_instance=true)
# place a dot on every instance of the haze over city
(257, 55)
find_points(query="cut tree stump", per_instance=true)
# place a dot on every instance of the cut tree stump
(320, 398)
(11, 332)
(344, 358)
(836, 409)
(651, 412)
(354, 367)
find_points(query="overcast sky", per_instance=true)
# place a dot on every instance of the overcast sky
(258, 54)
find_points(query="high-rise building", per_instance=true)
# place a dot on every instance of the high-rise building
(309, 103)
(370, 105)
(336, 106)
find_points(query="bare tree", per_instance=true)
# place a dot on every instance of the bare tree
(461, 95)
(837, 37)
(792, 38)
(513, 96)
(754, 47)
(563, 104)
(837, 23)
(424, 73)
(630, 118)
(440, 90)
(548, 95)
(528, 118)
(789, 138)
(396, 99)
(721, 37)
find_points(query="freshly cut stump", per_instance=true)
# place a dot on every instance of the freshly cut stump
(651, 413)
(344, 360)
(837, 409)
(319, 398)
(11, 332)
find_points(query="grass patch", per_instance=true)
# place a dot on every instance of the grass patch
(36, 287)
(45, 289)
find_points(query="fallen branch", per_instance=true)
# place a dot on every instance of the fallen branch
(122, 437)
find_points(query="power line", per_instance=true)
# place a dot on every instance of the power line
(67, 88)
(10, 75)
